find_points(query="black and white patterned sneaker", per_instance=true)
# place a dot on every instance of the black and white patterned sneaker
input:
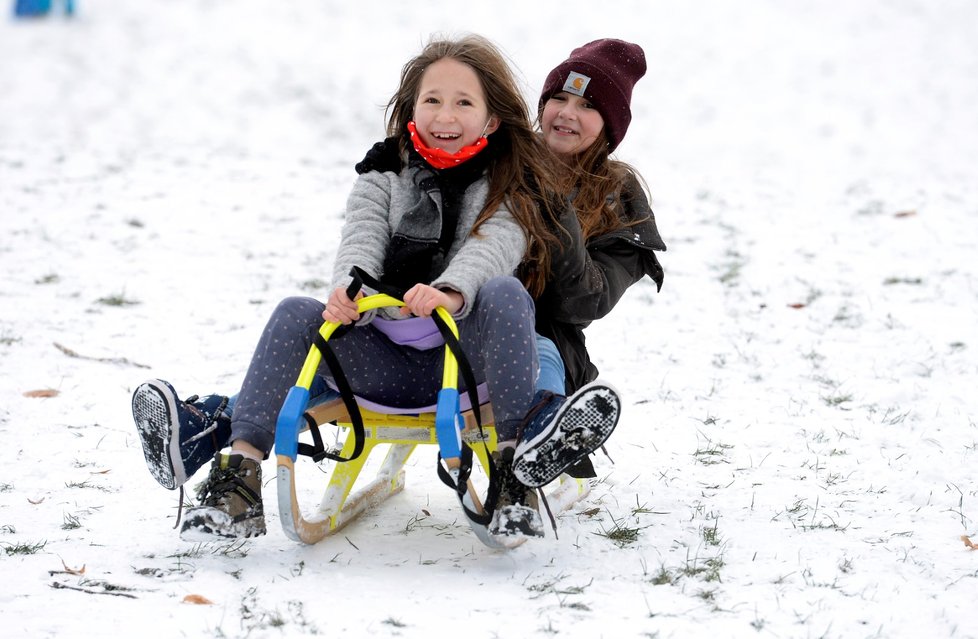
(560, 431)
(178, 437)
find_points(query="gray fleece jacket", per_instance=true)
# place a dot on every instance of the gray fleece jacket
(379, 205)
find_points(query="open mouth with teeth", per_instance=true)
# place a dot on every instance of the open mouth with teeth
(444, 140)
(447, 138)
(564, 130)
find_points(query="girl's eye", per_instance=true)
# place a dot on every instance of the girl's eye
(465, 103)
(587, 105)
(431, 100)
(558, 98)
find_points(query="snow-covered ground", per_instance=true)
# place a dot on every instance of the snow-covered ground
(798, 453)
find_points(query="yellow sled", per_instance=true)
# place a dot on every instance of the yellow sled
(450, 429)
(340, 504)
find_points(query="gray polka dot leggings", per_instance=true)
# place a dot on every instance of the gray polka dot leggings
(497, 336)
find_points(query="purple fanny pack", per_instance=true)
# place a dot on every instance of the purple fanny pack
(420, 333)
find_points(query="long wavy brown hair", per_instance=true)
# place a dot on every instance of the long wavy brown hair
(595, 181)
(520, 170)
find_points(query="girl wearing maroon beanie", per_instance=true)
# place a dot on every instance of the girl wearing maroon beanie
(608, 236)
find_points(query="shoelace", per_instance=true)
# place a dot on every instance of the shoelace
(222, 481)
(212, 417)
(546, 504)
(179, 507)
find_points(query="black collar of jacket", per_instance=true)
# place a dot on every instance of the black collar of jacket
(460, 176)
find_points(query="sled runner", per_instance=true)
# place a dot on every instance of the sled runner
(459, 436)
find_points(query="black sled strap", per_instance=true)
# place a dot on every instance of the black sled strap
(317, 450)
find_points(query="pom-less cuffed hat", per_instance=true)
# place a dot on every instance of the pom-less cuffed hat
(602, 72)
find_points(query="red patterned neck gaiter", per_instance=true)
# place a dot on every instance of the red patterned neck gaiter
(442, 159)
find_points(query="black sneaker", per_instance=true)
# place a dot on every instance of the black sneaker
(178, 437)
(230, 502)
(560, 431)
(517, 512)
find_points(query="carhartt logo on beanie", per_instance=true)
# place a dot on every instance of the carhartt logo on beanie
(603, 72)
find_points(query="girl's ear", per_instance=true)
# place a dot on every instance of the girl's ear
(491, 126)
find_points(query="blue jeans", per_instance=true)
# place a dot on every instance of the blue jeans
(551, 377)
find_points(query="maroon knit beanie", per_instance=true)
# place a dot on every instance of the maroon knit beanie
(603, 72)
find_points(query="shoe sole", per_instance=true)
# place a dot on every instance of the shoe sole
(510, 523)
(580, 427)
(155, 412)
(203, 524)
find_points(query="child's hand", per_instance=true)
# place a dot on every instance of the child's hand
(423, 299)
(340, 308)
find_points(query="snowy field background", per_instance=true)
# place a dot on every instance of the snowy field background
(798, 453)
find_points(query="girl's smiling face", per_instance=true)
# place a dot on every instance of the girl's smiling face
(570, 124)
(451, 112)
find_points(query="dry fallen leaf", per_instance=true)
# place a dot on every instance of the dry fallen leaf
(796, 305)
(35, 502)
(968, 542)
(198, 599)
(73, 571)
(905, 214)
(42, 392)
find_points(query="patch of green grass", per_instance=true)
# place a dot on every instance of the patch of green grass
(836, 400)
(707, 595)
(712, 453)
(620, 534)
(195, 551)
(23, 549)
(544, 586)
(8, 340)
(890, 281)
(275, 619)
(234, 549)
(70, 522)
(119, 299)
(730, 270)
(663, 577)
(711, 536)
(845, 565)
(707, 570)
(872, 207)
